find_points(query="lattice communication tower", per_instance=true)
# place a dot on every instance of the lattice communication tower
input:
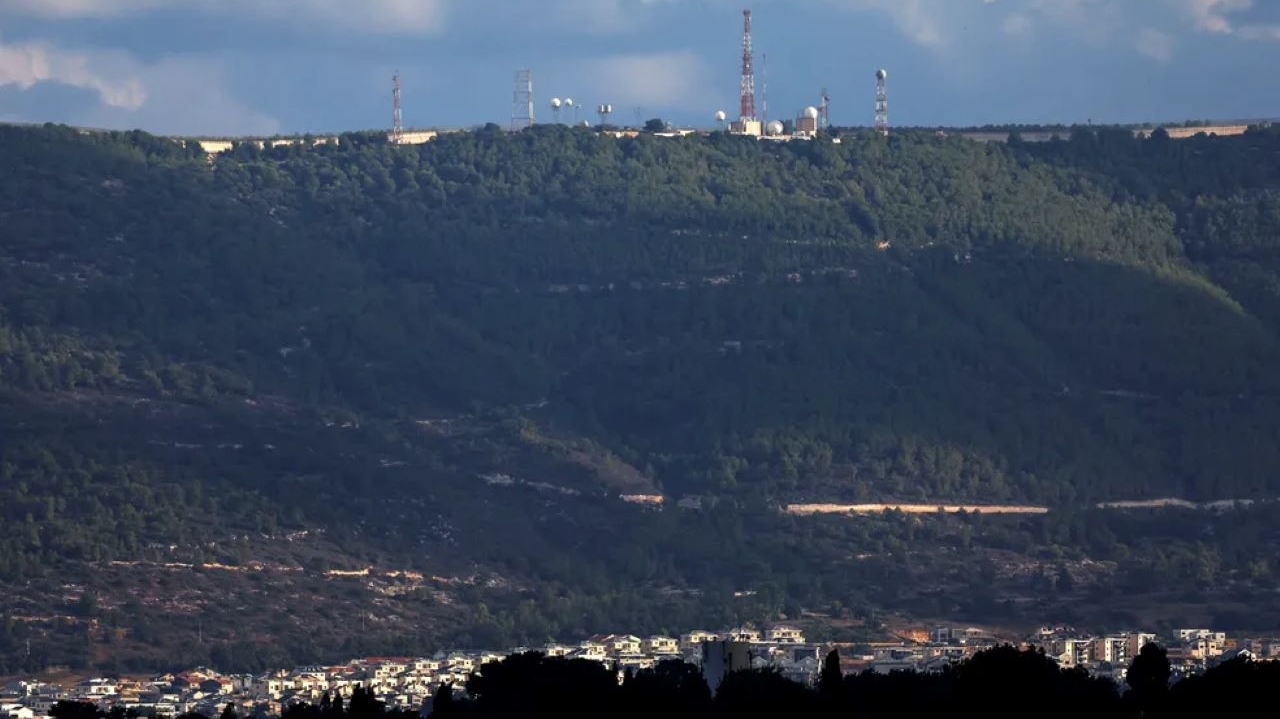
(522, 101)
(882, 102)
(397, 117)
(747, 106)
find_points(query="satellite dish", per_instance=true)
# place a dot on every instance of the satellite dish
(811, 112)
(721, 116)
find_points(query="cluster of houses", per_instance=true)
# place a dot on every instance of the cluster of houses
(1190, 650)
(408, 682)
(404, 682)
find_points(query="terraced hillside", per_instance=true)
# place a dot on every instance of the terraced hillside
(243, 383)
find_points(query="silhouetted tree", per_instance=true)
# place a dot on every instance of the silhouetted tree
(1148, 678)
(442, 704)
(831, 679)
(532, 684)
(364, 705)
(761, 693)
(74, 710)
(673, 688)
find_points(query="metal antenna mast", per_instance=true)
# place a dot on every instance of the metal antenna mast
(747, 106)
(522, 101)
(824, 111)
(397, 122)
(764, 88)
(882, 102)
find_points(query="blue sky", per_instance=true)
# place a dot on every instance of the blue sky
(267, 66)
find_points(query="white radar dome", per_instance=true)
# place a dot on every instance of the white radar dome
(555, 103)
(811, 112)
(775, 128)
(882, 74)
(721, 116)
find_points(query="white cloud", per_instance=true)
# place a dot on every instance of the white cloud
(1212, 15)
(389, 16)
(1016, 24)
(180, 95)
(1261, 32)
(1155, 44)
(920, 20)
(661, 80)
(28, 64)
(185, 96)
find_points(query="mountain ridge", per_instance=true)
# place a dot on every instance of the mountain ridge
(193, 354)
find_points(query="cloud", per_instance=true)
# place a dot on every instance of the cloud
(1155, 44)
(387, 16)
(177, 95)
(1016, 24)
(660, 80)
(1211, 15)
(186, 95)
(27, 64)
(1261, 32)
(920, 20)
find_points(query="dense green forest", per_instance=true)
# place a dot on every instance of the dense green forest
(202, 357)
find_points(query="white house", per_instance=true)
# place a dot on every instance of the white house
(784, 635)
(623, 644)
(659, 645)
(693, 640)
(744, 634)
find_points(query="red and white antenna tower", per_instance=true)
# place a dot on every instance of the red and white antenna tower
(747, 107)
(882, 102)
(397, 121)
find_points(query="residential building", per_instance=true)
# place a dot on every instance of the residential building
(661, 645)
(784, 635)
(694, 640)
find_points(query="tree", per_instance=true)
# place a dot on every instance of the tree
(74, 710)
(1064, 582)
(831, 679)
(229, 711)
(1148, 678)
(655, 125)
(442, 704)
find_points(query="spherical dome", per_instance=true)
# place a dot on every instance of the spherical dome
(568, 102)
(721, 116)
(882, 74)
(811, 112)
(775, 128)
(555, 103)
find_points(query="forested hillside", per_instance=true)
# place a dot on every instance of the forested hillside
(314, 358)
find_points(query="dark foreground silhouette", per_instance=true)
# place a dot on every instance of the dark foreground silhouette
(998, 683)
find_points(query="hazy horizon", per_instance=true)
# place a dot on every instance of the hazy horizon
(236, 67)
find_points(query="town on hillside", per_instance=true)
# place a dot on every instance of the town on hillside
(410, 682)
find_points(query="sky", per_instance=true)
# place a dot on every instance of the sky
(236, 67)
